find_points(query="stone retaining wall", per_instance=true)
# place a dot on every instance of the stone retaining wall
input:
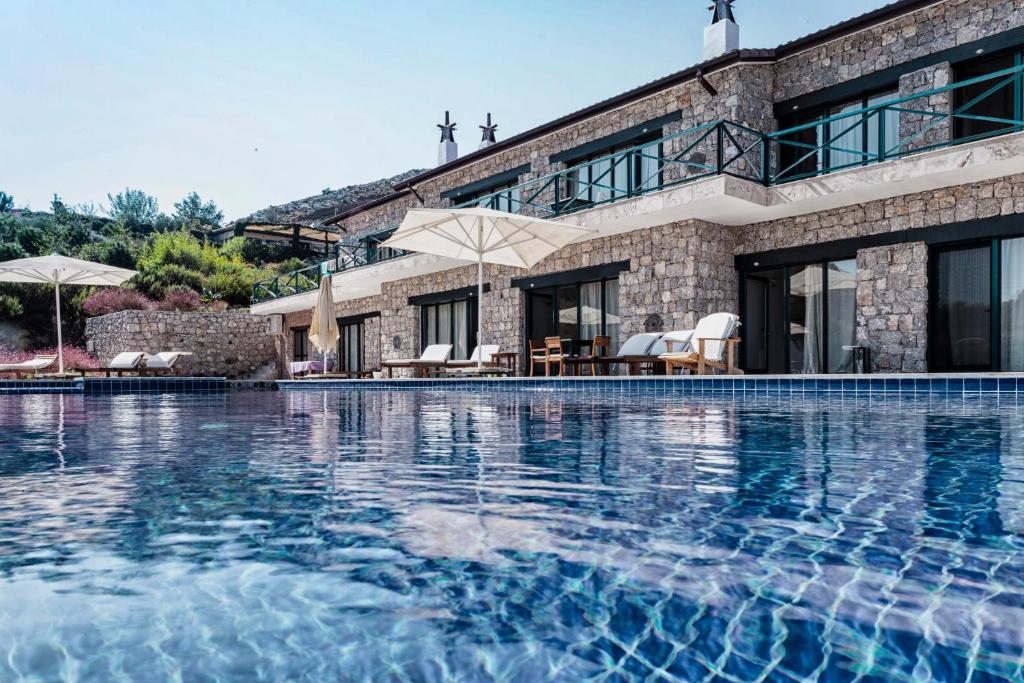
(229, 343)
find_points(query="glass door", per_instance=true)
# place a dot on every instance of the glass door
(577, 313)
(961, 330)
(800, 319)
(350, 347)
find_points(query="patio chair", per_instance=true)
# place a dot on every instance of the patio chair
(165, 362)
(28, 368)
(433, 357)
(599, 348)
(537, 355)
(126, 361)
(711, 346)
(486, 349)
(553, 353)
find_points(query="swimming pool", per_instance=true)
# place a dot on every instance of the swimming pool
(532, 536)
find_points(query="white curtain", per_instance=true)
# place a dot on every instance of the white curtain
(1012, 305)
(444, 324)
(590, 310)
(845, 134)
(808, 282)
(461, 341)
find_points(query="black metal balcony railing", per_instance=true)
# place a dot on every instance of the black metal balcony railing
(872, 134)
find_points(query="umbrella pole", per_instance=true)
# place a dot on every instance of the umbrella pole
(480, 296)
(60, 339)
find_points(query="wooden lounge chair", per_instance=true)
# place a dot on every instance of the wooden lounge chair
(433, 357)
(711, 346)
(634, 353)
(126, 361)
(164, 363)
(28, 368)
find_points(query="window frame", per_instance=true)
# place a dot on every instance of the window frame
(822, 161)
(1017, 57)
(571, 182)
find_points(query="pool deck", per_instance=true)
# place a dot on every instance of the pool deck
(1004, 385)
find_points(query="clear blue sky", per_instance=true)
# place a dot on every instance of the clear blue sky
(258, 103)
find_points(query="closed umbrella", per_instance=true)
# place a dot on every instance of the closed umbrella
(483, 235)
(323, 331)
(60, 270)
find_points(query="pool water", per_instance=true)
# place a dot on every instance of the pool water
(429, 536)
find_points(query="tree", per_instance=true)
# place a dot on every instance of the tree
(6, 202)
(134, 208)
(193, 213)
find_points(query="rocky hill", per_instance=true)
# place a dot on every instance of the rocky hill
(326, 204)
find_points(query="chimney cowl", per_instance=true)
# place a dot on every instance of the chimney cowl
(448, 150)
(723, 34)
(487, 138)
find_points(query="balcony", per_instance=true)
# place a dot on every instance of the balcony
(726, 172)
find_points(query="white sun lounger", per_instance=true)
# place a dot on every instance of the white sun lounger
(711, 346)
(164, 362)
(434, 356)
(488, 349)
(126, 361)
(28, 367)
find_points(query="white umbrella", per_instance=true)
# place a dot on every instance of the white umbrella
(479, 234)
(60, 270)
(323, 331)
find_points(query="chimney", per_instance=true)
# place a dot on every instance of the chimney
(448, 150)
(488, 133)
(723, 35)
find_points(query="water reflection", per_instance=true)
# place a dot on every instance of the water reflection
(552, 536)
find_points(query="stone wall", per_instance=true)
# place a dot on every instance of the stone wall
(228, 343)
(913, 35)
(923, 130)
(998, 197)
(892, 306)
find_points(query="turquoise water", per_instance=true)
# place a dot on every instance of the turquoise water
(427, 536)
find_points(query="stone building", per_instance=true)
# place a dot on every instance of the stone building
(860, 186)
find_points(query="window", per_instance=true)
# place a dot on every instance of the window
(800, 318)
(609, 175)
(450, 322)
(575, 312)
(300, 344)
(845, 142)
(350, 347)
(998, 100)
(503, 197)
(967, 332)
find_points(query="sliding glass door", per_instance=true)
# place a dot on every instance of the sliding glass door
(350, 347)
(967, 332)
(451, 322)
(576, 313)
(800, 319)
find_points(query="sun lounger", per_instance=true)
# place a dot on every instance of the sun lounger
(634, 353)
(28, 368)
(711, 346)
(164, 363)
(127, 361)
(433, 357)
(488, 349)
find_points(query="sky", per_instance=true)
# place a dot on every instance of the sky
(256, 103)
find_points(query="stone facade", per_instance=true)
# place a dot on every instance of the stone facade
(231, 344)
(892, 306)
(891, 43)
(682, 271)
